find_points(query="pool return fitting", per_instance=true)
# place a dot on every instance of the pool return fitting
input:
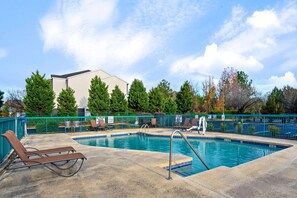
(170, 154)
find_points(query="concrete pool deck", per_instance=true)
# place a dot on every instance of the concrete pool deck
(112, 172)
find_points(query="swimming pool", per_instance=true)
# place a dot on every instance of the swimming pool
(214, 151)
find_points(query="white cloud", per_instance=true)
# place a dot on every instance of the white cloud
(3, 53)
(214, 61)
(97, 34)
(277, 81)
(243, 42)
(287, 79)
(264, 19)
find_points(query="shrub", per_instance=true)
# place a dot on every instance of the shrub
(47, 126)
(210, 127)
(274, 130)
(252, 129)
(223, 126)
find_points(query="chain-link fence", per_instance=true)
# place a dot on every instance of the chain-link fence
(281, 126)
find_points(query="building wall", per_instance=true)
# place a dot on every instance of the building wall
(81, 84)
(58, 84)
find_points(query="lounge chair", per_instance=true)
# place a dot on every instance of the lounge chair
(55, 163)
(103, 125)
(194, 125)
(154, 122)
(185, 126)
(94, 125)
(36, 151)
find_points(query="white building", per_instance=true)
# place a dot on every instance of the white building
(80, 82)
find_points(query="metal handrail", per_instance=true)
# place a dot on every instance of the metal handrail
(170, 154)
(144, 126)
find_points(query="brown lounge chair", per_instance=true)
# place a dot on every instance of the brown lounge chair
(55, 163)
(36, 151)
(194, 125)
(103, 125)
(185, 126)
(154, 122)
(94, 125)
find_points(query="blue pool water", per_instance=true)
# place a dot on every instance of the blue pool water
(215, 152)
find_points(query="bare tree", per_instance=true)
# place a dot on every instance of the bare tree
(15, 100)
(237, 90)
(289, 98)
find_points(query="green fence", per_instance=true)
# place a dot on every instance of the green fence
(14, 124)
(280, 126)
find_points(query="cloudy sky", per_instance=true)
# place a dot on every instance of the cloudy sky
(151, 40)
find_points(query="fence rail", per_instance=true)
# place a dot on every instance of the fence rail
(14, 124)
(281, 126)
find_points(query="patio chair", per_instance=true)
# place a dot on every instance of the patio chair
(35, 151)
(153, 122)
(185, 126)
(75, 125)
(67, 126)
(94, 125)
(103, 125)
(194, 125)
(55, 163)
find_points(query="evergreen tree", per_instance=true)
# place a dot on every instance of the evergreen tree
(156, 100)
(170, 106)
(184, 98)
(1, 98)
(39, 99)
(98, 100)
(164, 87)
(138, 98)
(66, 103)
(118, 101)
(274, 103)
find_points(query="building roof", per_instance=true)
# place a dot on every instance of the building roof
(70, 74)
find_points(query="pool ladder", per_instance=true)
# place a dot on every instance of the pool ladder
(144, 126)
(170, 154)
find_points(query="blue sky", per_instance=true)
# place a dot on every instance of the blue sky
(151, 40)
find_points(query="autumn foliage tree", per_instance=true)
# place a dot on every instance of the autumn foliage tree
(209, 91)
(237, 90)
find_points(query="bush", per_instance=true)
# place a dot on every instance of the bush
(47, 126)
(274, 130)
(252, 129)
(210, 127)
(223, 126)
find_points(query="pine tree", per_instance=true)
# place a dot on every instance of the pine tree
(164, 87)
(66, 103)
(138, 98)
(184, 98)
(156, 100)
(170, 106)
(98, 100)
(39, 99)
(118, 101)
